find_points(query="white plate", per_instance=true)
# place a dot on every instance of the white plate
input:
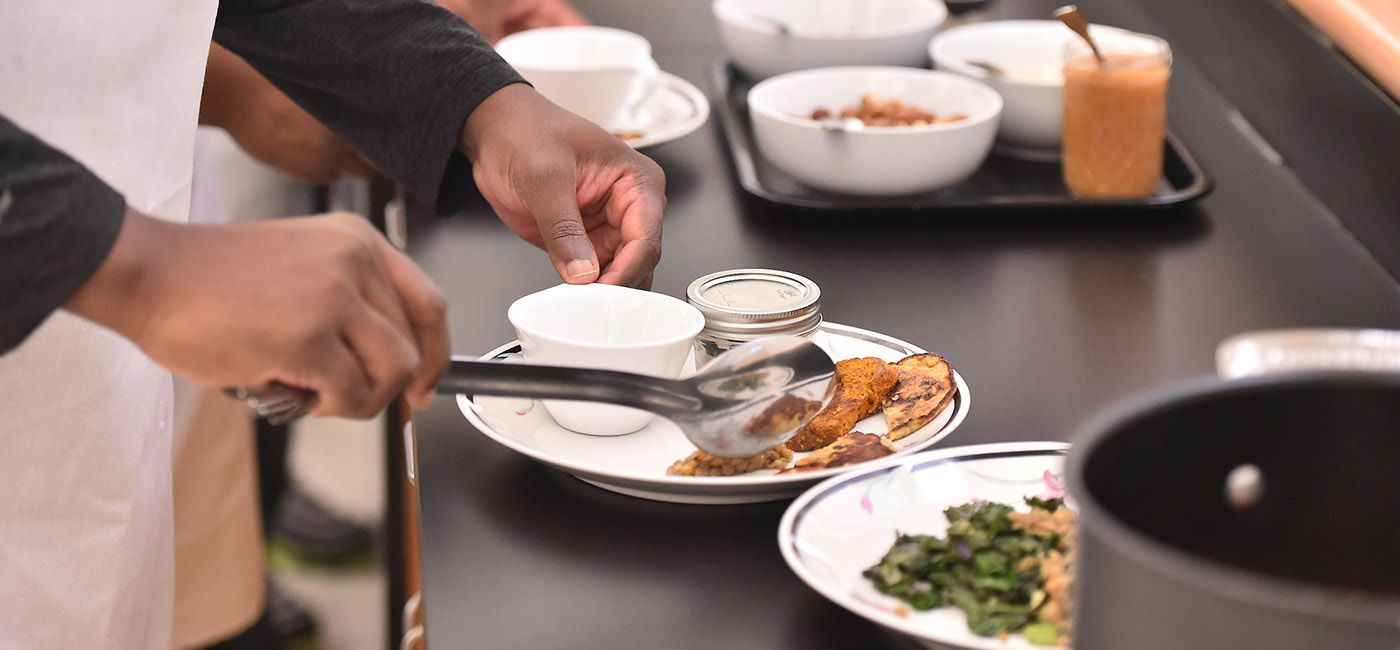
(636, 463)
(845, 525)
(677, 109)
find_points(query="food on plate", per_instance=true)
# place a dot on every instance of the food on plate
(910, 392)
(924, 389)
(783, 415)
(861, 385)
(874, 110)
(1008, 571)
(703, 464)
(849, 449)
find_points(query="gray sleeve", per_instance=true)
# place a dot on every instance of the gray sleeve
(58, 221)
(396, 78)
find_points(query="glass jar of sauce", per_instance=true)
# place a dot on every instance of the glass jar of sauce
(744, 304)
(1115, 116)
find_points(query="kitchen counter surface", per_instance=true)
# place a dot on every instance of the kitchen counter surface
(1049, 316)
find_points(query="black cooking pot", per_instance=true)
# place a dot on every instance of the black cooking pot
(1250, 513)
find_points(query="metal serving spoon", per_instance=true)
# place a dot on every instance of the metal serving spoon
(748, 400)
(992, 69)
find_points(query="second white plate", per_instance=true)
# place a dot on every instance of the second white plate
(635, 464)
(832, 533)
(677, 109)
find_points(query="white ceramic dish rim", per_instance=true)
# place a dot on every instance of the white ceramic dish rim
(788, 524)
(711, 485)
(692, 95)
(725, 12)
(879, 131)
(971, 30)
(689, 333)
(565, 65)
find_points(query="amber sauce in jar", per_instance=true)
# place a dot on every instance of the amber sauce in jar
(1115, 117)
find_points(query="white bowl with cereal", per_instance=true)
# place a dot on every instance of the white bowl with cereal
(918, 130)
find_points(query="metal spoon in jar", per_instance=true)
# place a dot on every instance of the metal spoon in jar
(1070, 16)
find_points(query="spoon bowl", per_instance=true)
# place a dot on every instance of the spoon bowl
(748, 400)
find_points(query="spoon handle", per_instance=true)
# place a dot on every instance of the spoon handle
(654, 394)
(1072, 18)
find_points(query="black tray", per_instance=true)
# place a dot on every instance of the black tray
(1002, 183)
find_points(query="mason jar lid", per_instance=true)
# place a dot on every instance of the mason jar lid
(754, 302)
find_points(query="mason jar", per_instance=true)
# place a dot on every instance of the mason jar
(744, 304)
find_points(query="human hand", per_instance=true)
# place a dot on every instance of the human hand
(323, 304)
(495, 19)
(563, 183)
(272, 128)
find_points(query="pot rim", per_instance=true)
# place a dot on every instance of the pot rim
(1285, 594)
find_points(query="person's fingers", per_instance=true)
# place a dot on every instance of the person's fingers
(331, 368)
(643, 207)
(387, 355)
(382, 296)
(632, 265)
(548, 191)
(426, 312)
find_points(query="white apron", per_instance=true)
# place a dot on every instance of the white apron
(85, 524)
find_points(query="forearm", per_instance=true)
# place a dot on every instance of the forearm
(58, 222)
(226, 78)
(397, 78)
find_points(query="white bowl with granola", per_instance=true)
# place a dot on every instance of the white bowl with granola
(904, 131)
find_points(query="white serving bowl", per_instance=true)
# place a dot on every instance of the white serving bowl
(874, 161)
(769, 37)
(608, 327)
(1031, 52)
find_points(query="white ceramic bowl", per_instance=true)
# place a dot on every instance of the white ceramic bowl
(874, 161)
(1032, 53)
(609, 327)
(823, 33)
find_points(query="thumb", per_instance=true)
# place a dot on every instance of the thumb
(552, 200)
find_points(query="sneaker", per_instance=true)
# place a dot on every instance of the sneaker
(306, 535)
(283, 625)
(294, 626)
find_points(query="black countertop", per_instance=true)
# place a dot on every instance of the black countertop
(1049, 317)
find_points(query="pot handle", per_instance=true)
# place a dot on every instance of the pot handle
(1264, 352)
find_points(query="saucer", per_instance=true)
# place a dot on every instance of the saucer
(636, 464)
(676, 109)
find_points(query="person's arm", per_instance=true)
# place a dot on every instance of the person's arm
(57, 222)
(325, 303)
(397, 78)
(270, 127)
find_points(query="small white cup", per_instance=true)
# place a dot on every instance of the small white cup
(608, 327)
(602, 74)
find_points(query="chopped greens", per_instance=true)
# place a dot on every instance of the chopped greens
(986, 565)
